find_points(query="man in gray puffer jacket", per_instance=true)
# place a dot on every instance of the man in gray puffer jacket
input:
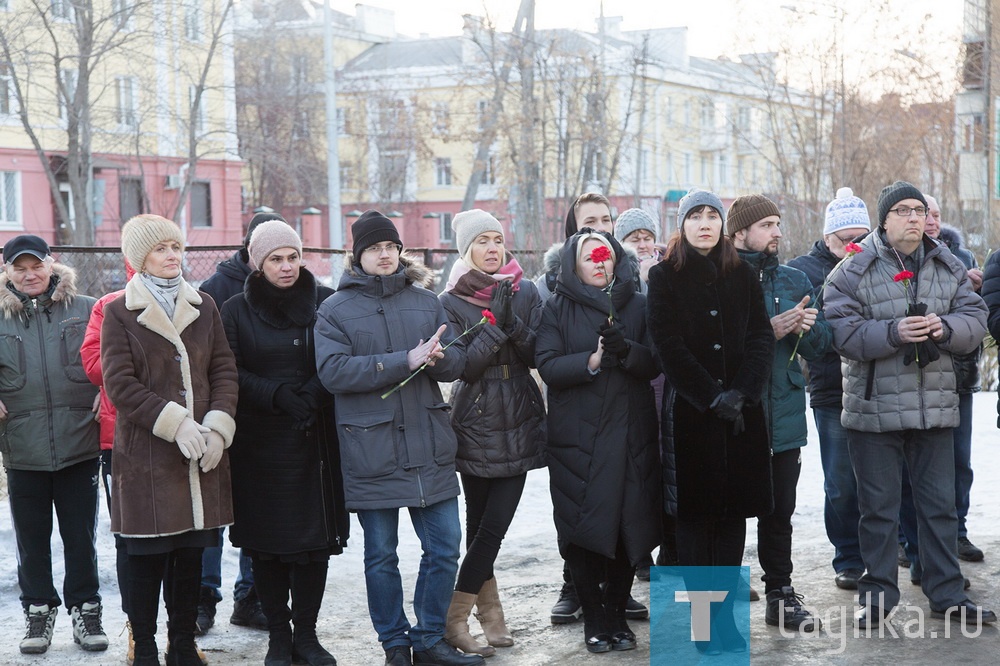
(896, 333)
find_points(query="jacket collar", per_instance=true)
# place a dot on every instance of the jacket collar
(153, 317)
(760, 261)
(13, 303)
(411, 271)
(822, 252)
(282, 308)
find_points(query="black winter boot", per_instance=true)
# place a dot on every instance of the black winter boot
(145, 577)
(272, 580)
(184, 579)
(308, 585)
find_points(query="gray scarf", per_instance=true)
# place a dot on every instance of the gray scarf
(164, 290)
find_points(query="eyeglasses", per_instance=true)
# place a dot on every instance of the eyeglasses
(377, 250)
(904, 211)
(844, 241)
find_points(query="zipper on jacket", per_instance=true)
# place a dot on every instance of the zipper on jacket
(48, 391)
(420, 490)
(322, 492)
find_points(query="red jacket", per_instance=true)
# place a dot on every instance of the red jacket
(91, 353)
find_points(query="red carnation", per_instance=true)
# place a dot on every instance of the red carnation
(902, 276)
(600, 254)
(853, 248)
(488, 316)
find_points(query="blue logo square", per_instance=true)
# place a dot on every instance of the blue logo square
(696, 616)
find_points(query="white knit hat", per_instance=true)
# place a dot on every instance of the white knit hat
(142, 233)
(470, 223)
(846, 212)
(270, 236)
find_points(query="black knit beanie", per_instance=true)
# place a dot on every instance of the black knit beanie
(893, 194)
(372, 227)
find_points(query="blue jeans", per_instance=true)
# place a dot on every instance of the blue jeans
(962, 437)
(440, 534)
(211, 572)
(840, 510)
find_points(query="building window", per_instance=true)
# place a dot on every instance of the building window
(130, 198)
(440, 118)
(126, 101)
(723, 169)
(483, 109)
(300, 124)
(442, 171)
(972, 133)
(123, 11)
(343, 121)
(447, 235)
(197, 114)
(7, 95)
(67, 92)
(10, 200)
(490, 171)
(392, 176)
(62, 10)
(687, 169)
(201, 204)
(300, 70)
(192, 21)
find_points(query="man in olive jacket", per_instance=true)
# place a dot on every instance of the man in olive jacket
(50, 440)
(899, 310)
(397, 449)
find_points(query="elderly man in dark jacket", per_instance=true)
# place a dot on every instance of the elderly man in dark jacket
(899, 310)
(846, 220)
(228, 280)
(51, 445)
(397, 446)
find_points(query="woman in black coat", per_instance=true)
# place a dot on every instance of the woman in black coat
(715, 343)
(288, 494)
(593, 352)
(497, 413)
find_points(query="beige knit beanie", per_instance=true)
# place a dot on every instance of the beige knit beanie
(270, 236)
(469, 224)
(142, 233)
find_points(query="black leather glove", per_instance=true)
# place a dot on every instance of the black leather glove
(922, 352)
(500, 303)
(728, 405)
(614, 339)
(289, 402)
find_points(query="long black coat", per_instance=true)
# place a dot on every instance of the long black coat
(604, 471)
(288, 494)
(712, 333)
(499, 422)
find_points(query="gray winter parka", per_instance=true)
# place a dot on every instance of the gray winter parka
(50, 423)
(399, 451)
(864, 306)
(499, 416)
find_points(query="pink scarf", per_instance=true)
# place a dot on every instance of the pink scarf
(472, 285)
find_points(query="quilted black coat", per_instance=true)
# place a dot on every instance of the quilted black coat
(712, 333)
(604, 472)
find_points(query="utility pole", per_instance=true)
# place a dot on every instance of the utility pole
(639, 175)
(332, 135)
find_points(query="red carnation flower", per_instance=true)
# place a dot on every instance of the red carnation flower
(853, 248)
(488, 316)
(600, 254)
(902, 276)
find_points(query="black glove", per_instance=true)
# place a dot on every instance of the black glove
(614, 339)
(500, 303)
(921, 352)
(289, 402)
(728, 405)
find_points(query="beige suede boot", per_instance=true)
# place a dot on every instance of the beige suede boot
(456, 628)
(490, 615)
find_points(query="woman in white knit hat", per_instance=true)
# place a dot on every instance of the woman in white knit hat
(497, 414)
(288, 494)
(171, 376)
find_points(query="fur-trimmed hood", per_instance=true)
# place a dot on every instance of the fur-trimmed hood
(951, 236)
(12, 303)
(415, 271)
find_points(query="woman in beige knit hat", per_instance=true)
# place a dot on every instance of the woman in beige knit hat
(172, 378)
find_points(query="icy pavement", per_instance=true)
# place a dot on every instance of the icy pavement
(529, 574)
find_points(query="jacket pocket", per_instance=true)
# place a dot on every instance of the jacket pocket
(19, 447)
(13, 373)
(442, 436)
(368, 445)
(70, 341)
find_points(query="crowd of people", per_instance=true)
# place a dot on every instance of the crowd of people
(674, 410)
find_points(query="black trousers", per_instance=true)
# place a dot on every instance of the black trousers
(774, 532)
(73, 492)
(490, 505)
(711, 542)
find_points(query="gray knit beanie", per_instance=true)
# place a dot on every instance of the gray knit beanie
(270, 236)
(632, 220)
(142, 233)
(469, 224)
(696, 199)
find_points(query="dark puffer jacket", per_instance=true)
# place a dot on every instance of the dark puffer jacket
(712, 333)
(991, 294)
(228, 279)
(497, 410)
(288, 494)
(826, 383)
(966, 365)
(604, 471)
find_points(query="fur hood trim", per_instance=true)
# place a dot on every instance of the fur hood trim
(65, 291)
(951, 236)
(551, 261)
(416, 271)
(282, 308)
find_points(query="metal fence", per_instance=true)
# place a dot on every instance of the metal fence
(101, 270)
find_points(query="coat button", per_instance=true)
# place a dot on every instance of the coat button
(388, 350)
(713, 312)
(296, 342)
(177, 358)
(717, 347)
(381, 310)
(182, 393)
(719, 381)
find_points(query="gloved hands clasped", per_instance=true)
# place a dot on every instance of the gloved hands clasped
(728, 406)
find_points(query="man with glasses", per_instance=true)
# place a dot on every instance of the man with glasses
(396, 442)
(846, 220)
(899, 310)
